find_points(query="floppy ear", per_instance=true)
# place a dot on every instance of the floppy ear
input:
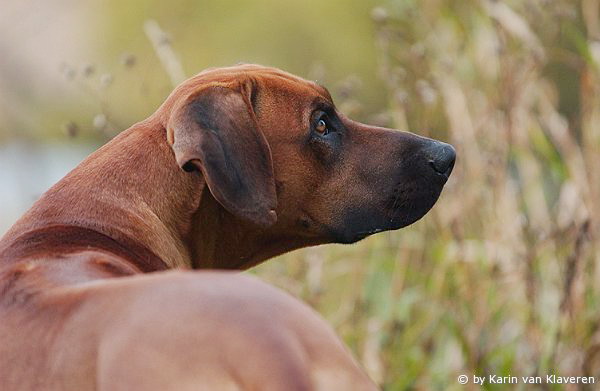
(215, 131)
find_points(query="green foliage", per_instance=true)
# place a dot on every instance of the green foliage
(304, 37)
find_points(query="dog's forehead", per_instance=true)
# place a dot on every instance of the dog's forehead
(269, 77)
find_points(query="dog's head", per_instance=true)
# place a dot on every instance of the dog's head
(278, 156)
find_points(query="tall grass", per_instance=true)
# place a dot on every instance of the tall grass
(502, 276)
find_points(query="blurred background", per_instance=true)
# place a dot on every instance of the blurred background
(501, 277)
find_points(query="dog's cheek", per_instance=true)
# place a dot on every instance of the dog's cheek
(326, 151)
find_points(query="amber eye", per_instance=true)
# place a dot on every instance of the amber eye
(321, 126)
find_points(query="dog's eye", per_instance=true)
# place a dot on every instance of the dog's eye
(321, 126)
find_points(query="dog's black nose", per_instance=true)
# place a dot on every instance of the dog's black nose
(441, 158)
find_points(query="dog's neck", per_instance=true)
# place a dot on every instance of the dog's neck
(125, 190)
(220, 240)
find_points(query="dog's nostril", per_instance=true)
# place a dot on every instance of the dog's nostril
(441, 158)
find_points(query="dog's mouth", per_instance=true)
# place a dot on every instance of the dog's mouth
(363, 234)
(407, 193)
(404, 206)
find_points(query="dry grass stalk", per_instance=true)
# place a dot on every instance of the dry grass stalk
(164, 50)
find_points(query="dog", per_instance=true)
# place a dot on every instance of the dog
(238, 165)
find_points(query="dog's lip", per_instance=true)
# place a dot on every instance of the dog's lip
(363, 234)
(371, 231)
(445, 175)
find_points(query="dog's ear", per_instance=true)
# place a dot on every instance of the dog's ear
(216, 132)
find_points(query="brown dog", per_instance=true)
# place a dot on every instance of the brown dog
(238, 165)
